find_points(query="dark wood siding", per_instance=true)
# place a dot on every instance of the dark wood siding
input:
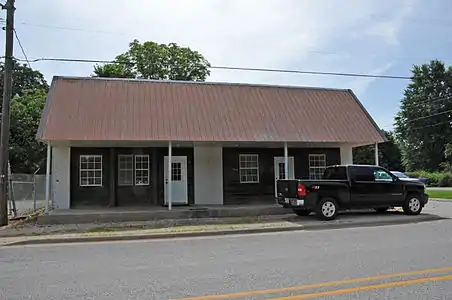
(111, 194)
(188, 152)
(90, 196)
(263, 192)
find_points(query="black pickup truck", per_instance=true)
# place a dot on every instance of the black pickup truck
(346, 187)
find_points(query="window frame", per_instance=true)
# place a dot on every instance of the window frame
(321, 168)
(81, 170)
(119, 169)
(244, 155)
(148, 169)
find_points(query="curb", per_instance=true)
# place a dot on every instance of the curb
(319, 226)
(441, 200)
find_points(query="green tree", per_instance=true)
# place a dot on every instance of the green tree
(423, 124)
(24, 78)
(150, 60)
(26, 153)
(389, 155)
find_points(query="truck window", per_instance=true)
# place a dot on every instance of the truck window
(361, 173)
(335, 173)
(382, 176)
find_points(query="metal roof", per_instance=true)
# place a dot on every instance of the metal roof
(105, 109)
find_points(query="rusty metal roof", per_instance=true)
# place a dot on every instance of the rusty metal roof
(101, 109)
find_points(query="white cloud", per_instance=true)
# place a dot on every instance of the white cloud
(245, 33)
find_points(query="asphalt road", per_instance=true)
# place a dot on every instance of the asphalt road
(174, 269)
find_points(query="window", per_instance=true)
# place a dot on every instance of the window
(317, 165)
(335, 173)
(125, 170)
(90, 170)
(176, 171)
(133, 169)
(141, 169)
(382, 176)
(249, 168)
(361, 174)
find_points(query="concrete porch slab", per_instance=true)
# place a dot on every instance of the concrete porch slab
(100, 215)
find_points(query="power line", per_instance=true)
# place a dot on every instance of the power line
(22, 48)
(235, 68)
(313, 51)
(432, 125)
(430, 100)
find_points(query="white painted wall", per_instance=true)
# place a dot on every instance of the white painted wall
(61, 178)
(346, 154)
(208, 165)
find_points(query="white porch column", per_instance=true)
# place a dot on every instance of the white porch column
(286, 161)
(47, 193)
(376, 155)
(346, 155)
(170, 184)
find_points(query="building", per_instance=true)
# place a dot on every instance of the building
(121, 142)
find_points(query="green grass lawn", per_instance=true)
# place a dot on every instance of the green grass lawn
(438, 194)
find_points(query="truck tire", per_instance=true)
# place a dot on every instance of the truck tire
(412, 205)
(301, 212)
(326, 209)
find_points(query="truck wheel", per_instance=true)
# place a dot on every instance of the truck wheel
(301, 212)
(326, 209)
(413, 205)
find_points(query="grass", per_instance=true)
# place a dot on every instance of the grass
(440, 194)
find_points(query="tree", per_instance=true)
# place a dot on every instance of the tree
(156, 61)
(24, 78)
(423, 124)
(389, 155)
(26, 153)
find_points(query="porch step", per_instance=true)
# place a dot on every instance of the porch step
(79, 216)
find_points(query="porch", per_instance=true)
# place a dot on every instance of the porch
(151, 213)
(171, 174)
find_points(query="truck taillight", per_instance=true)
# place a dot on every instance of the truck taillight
(301, 190)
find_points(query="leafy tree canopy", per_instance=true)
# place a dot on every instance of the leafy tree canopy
(24, 78)
(26, 153)
(423, 124)
(150, 60)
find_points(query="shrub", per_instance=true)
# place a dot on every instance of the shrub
(433, 178)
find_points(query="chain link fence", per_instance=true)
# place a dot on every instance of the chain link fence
(27, 194)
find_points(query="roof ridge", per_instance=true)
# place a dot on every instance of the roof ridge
(199, 83)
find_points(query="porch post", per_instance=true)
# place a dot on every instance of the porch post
(376, 154)
(170, 185)
(47, 191)
(286, 161)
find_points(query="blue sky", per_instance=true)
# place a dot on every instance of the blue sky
(359, 36)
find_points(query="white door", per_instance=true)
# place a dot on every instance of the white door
(280, 169)
(179, 191)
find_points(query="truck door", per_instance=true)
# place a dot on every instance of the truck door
(388, 190)
(363, 192)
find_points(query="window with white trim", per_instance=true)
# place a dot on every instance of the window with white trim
(141, 169)
(249, 168)
(90, 170)
(133, 169)
(317, 165)
(125, 169)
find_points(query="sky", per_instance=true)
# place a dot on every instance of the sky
(384, 37)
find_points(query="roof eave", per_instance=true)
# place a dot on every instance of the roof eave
(382, 135)
(45, 112)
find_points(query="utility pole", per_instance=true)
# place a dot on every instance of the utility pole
(7, 94)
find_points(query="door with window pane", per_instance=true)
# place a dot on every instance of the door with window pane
(178, 183)
(280, 169)
(133, 179)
